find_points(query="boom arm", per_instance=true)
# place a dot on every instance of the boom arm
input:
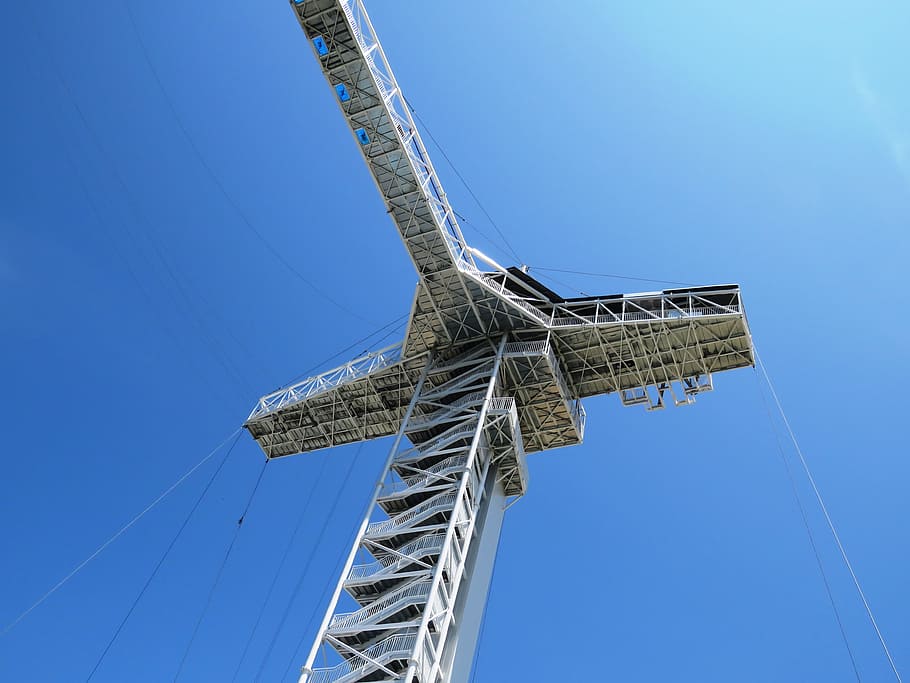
(352, 60)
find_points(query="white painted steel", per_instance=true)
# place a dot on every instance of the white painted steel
(459, 657)
(366, 520)
(493, 365)
(642, 346)
(417, 582)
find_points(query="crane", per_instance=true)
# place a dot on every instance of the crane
(493, 366)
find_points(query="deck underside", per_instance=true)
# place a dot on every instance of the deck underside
(641, 346)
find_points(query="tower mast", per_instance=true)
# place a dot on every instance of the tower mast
(493, 366)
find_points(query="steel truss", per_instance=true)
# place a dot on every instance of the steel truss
(463, 458)
(493, 365)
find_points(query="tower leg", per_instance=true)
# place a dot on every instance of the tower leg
(470, 610)
(410, 608)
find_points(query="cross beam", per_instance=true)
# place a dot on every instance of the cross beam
(494, 365)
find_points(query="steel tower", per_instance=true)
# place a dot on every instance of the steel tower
(493, 366)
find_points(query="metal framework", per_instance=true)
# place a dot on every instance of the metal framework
(493, 366)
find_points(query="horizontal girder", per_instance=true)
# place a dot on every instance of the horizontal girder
(664, 343)
(493, 365)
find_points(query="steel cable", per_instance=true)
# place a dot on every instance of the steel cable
(811, 536)
(613, 275)
(284, 557)
(227, 554)
(313, 368)
(325, 591)
(464, 182)
(831, 527)
(220, 185)
(164, 556)
(209, 339)
(117, 535)
(308, 563)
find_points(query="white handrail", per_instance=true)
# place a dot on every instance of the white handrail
(417, 452)
(439, 502)
(639, 315)
(523, 347)
(502, 404)
(418, 590)
(399, 644)
(419, 547)
(434, 473)
(328, 380)
(454, 406)
(410, 142)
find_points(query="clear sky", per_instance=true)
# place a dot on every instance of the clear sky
(141, 316)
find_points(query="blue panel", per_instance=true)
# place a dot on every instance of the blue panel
(362, 136)
(321, 47)
(343, 94)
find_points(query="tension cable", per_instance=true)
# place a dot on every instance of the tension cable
(227, 554)
(117, 535)
(163, 558)
(830, 522)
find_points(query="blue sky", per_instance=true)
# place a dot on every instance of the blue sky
(141, 318)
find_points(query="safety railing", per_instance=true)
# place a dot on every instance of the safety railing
(557, 374)
(405, 519)
(530, 348)
(357, 368)
(502, 404)
(647, 308)
(417, 452)
(389, 564)
(459, 381)
(399, 646)
(443, 413)
(544, 348)
(490, 281)
(434, 473)
(415, 591)
(409, 139)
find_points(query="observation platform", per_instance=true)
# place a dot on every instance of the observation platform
(653, 349)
